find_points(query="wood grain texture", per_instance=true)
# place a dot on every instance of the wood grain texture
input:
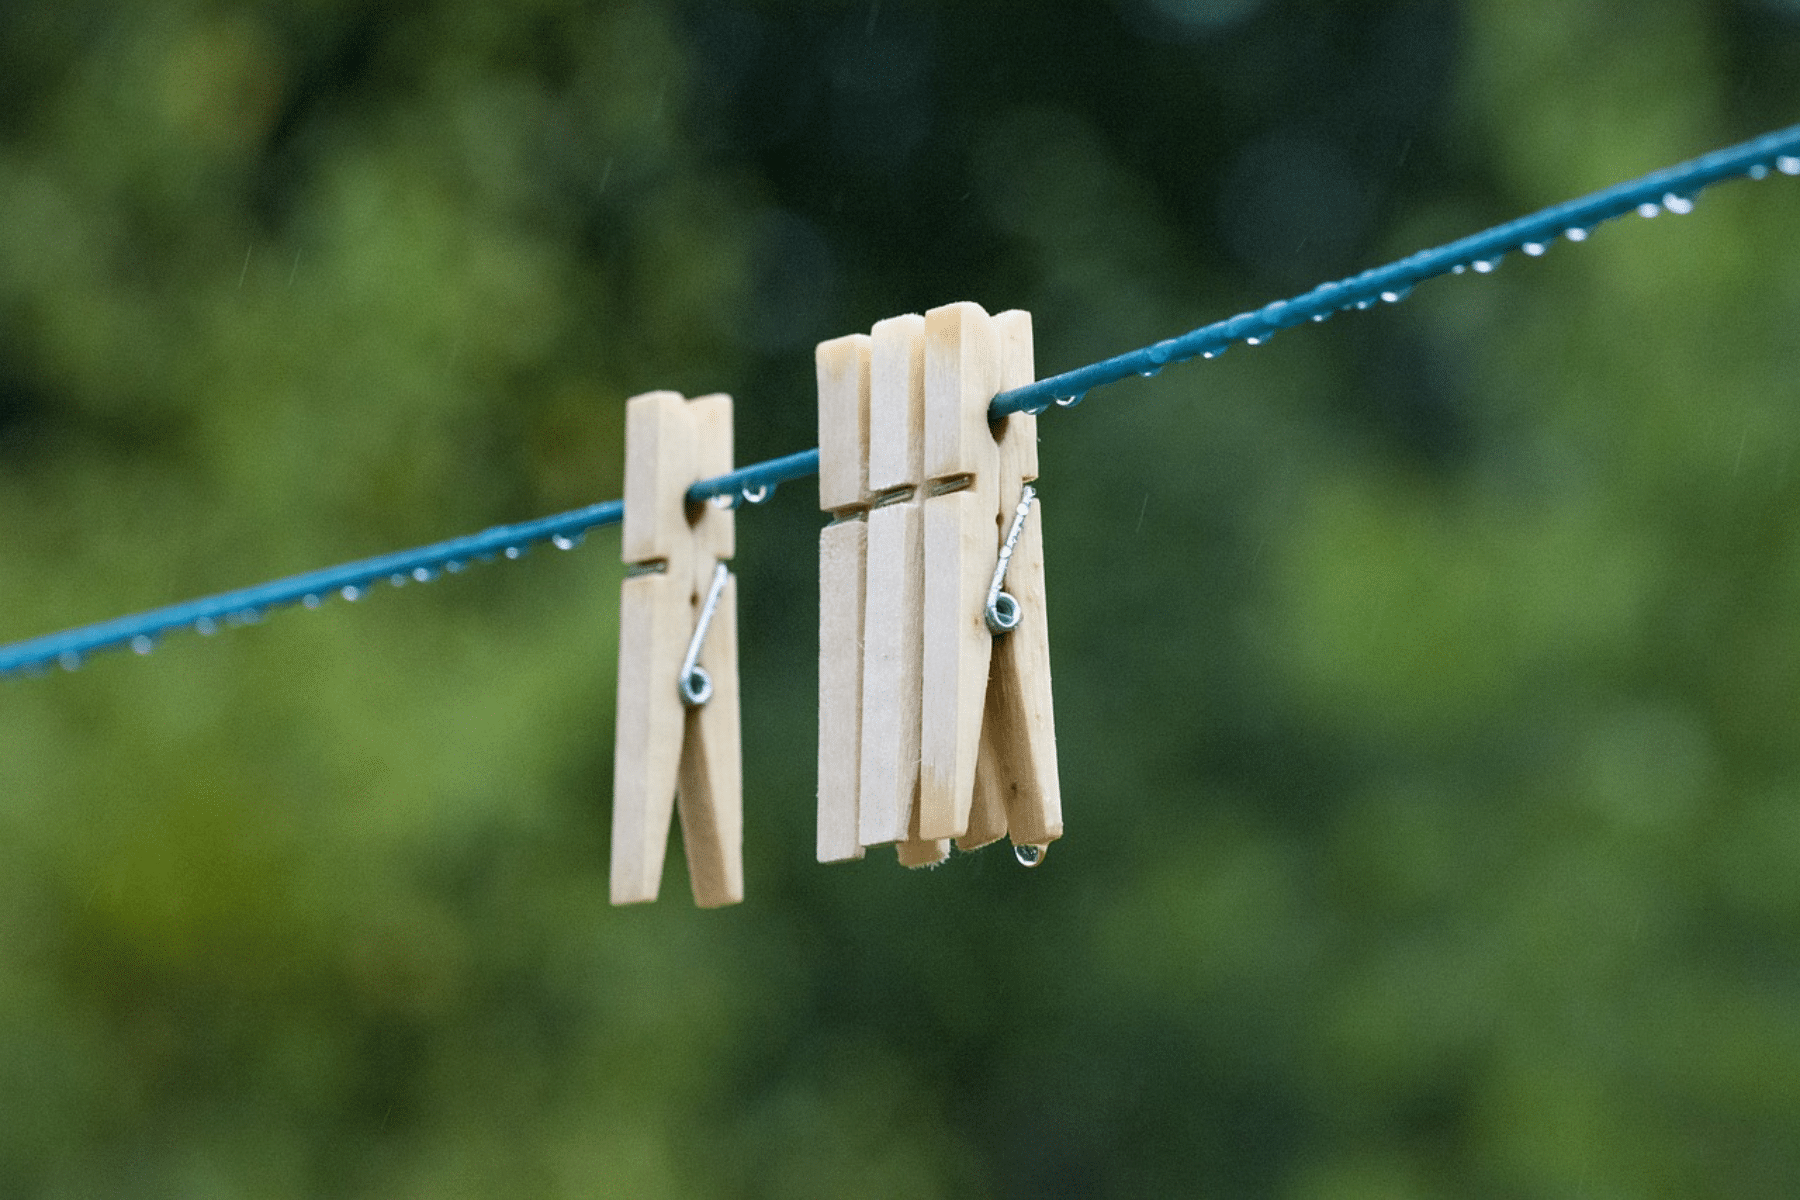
(653, 634)
(897, 424)
(658, 447)
(892, 671)
(843, 551)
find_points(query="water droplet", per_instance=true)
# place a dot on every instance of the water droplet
(1365, 304)
(1150, 372)
(1484, 266)
(244, 616)
(1070, 401)
(1215, 352)
(455, 566)
(1679, 205)
(1758, 171)
(1458, 269)
(143, 643)
(69, 660)
(1648, 210)
(514, 551)
(398, 579)
(1576, 233)
(312, 600)
(1029, 855)
(423, 574)
(1534, 249)
(567, 541)
(725, 500)
(206, 627)
(352, 593)
(758, 494)
(1788, 164)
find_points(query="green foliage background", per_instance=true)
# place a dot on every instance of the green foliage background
(1427, 681)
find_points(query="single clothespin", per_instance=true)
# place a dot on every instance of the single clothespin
(986, 695)
(843, 373)
(678, 739)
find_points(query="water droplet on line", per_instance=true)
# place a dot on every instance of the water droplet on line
(758, 494)
(1576, 233)
(566, 541)
(455, 566)
(352, 593)
(423, 574)
(69, 660)
(1213, 353)
(1788, 164)
(312, 600)
(1458, 269)
(1758, 171)
(1395, 295)
(1648, 210)
(398, 579)
(1484, 266)
(1320, 316)
(1150, 372)
(514, 551)
(143, 643)
(1029, 855)
(1534, 249)
(1679, 205)
(1070, 401)
(206, 627)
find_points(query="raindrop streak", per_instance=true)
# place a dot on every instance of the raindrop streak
(143, 643)
(1028, 854)
(1533, 248)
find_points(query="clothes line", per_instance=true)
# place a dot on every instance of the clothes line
(1669, 190)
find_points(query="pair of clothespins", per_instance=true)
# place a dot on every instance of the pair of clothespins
(935, 717)
(678, 732)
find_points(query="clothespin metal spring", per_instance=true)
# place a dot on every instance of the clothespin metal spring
(695, 684)
(1002, 614)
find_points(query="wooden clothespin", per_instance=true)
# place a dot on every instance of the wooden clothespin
(678, 732)
(988, 738)
(927, 520)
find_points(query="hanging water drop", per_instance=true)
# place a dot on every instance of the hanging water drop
(312, 600)
(206, 627)
(1788, 164)
(1458, 269)
(423, 574)
(567, 541)
(1758, 171)
(1484, 266)
(1320, 316)
(1151, 372)
(1575, 233)
(514, 551)
(351, 592)
(143, 643)
(1215, 352)
(1029, 855)
(1070, 401)
(455, 566)
(1679, 205)
(723, 500)
(758, 494)
(1534, 249)
(398, 579)
(1648, 210)
(69, 660)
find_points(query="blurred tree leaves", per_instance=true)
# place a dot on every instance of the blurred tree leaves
(1425, 679)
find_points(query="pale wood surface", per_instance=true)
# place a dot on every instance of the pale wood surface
(892, 669)
(897, 424)
(962, 374)
(959, 562)
(710, 787)
(653, 634)
(843, 549)
(658, 447)
(842, 366)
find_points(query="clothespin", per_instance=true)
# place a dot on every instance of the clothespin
(988, 739)
(678, 740)
(941, 517)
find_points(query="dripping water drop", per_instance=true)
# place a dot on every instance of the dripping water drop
(566, 541)
(514, 551)
(206, 627)
(1484, 266)
(1458, 269)
(1647, 210)
(1534, 249)
(1788, 164)
(312, 600)
(1679, 205)
(351, 592)
(1029, 855)
(69, 660)
(424, 574)
(143, 643)
(1151, 372)
(759, 493)
(1070, 401)
(1758, 171)
(455, 566)
(398, 579)
(1575, 233)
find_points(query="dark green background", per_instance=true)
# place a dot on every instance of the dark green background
(1428, 681)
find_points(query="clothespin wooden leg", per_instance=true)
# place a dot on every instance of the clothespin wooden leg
(962, 374)
(662, 746)
(1016, 772)
(894, 619)
(843, 373)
